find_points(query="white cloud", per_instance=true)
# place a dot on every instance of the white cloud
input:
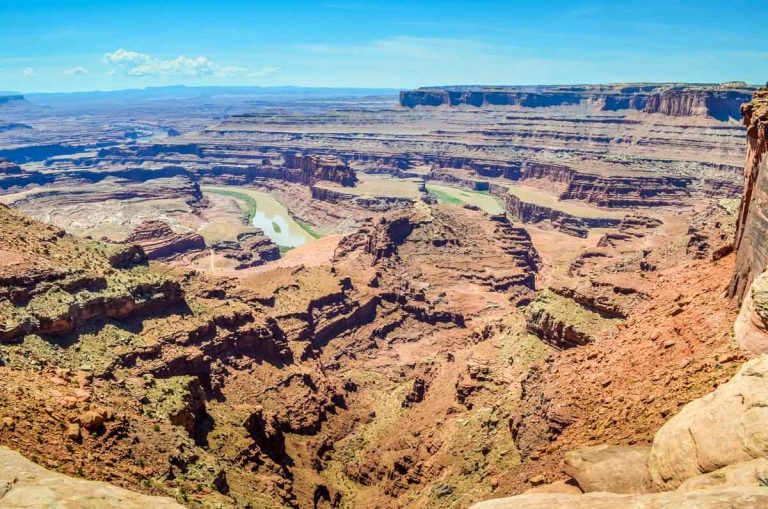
(264, 72)
(29, 72)
(76, 71)
(133, 63)
(124, 56)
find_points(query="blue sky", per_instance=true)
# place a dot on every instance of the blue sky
(70, 45)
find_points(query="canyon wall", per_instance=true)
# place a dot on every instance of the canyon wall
(720, 104)
(627, 191)
(376, 203)
(532, 213)
(751, 241)
(667, 99)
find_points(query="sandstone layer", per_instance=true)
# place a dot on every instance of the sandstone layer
(25, 484)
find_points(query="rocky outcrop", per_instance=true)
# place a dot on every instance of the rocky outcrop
(745, 474)
(250, 249)
(160, 242)
(373, 203)
(613, 191)
(562, 322)
(126, 256)
(751, 326)
(531, 213)
(55, 310)
(389, 233)
(603, 296)
(54, 296)
(445, 175)
(25, 484)
(723, 428)
(322, 168)
(180, 400)
(719, 188)
(711, 454)
(710, 232)
(752, 223)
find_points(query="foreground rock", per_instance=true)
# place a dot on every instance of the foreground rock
(749, 473)
(611, 468)
(712, 452)
(25, 484)
(751, 327)
(729, 498)
(720, 429)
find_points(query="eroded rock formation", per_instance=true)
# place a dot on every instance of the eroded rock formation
(160, 242)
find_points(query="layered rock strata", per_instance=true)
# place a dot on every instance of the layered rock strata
(752, 223)
(716, 101)
(159, 241)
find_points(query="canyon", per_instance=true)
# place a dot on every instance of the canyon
(505, 296)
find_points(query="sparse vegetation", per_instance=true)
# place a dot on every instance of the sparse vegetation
(444, 197)
(762, 478)
(483, 199)
(307, 228)
(251, 205)
(182, 496)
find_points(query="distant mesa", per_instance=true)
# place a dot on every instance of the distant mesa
(11, 98)
(9, 168)
(720, 101)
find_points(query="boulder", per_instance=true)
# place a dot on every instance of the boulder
(24, 484)
(749, 473)
(725, 427)
(751, 326)
(611, 468)
(717, 498)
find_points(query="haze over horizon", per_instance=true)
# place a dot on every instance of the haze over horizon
(54, 46)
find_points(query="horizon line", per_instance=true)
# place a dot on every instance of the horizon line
(342, 87)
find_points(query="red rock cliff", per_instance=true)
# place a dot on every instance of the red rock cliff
(752, 222)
